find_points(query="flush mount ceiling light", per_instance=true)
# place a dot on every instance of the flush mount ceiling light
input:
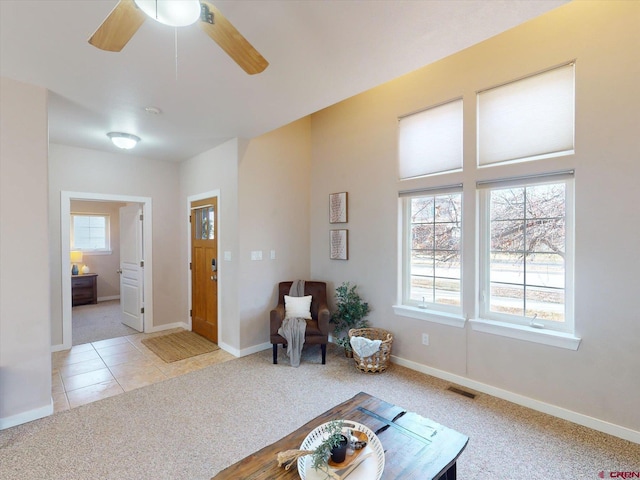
(123, 140)
(177, 13)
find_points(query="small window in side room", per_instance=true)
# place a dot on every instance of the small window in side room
(430, 141)
(90, 233)
(527, 119)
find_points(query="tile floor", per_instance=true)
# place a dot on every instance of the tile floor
(98, 370)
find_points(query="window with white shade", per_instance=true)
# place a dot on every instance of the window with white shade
(527, 119)
(430, 141)
(90, 232)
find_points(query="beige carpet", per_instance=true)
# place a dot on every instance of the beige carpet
(178, 346)
(191, 427)
(92, 323)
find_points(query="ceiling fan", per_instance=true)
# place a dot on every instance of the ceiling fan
(128, 15)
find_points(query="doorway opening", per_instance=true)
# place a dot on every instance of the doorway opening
(134, 272)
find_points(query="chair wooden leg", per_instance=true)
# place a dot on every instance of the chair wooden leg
(275, 353)
(324, 353)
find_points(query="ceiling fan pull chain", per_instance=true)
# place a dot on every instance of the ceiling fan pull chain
(176, 46)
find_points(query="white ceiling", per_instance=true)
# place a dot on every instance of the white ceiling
(320, 52)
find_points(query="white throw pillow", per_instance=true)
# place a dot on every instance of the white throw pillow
(297, 307)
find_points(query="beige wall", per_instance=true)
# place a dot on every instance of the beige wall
(263, 205)
(354, 150)
(273, 200)
(105, 266)
(25, 355)
(74, 169)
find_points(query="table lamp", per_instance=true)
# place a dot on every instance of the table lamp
(76, 258)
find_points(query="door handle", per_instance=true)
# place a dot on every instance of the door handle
(214, 277)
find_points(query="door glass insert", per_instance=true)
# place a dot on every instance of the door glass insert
(205, 223)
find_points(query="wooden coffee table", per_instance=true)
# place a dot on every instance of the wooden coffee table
(416, 447)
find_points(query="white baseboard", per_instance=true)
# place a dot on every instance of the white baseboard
(106, 299)
(575, 417)
(255, 349)
(229, 349)
(25, 417)
(59, 347)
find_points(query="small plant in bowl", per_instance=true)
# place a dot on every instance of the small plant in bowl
(333, 439)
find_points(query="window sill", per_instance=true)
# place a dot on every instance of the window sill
(529, 334)
(97, 252)
(434, 316)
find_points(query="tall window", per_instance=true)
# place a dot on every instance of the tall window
(431, 253)
(527, 253)
(90, 233)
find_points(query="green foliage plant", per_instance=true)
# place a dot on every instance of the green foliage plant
(333, 433)
(350, 313)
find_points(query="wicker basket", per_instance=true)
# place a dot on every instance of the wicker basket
(379, 361)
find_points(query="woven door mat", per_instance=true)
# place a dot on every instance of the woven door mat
(178, 346)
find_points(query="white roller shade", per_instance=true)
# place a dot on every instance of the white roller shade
(527, 118)
(430, 141)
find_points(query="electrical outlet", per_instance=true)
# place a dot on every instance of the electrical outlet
(425, 339)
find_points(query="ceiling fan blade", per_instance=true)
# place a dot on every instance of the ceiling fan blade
(119, 26)
(232, 41)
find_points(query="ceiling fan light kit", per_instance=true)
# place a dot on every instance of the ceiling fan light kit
(128, 15)
(176, 13)
(125, 141)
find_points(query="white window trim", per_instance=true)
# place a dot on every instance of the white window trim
(428, 315)
(89, 253)
(529, 334)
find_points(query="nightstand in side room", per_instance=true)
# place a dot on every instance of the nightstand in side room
(84, 289)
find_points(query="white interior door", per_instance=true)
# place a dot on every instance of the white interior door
(131, 267)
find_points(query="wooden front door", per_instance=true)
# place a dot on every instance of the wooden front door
(204, 268)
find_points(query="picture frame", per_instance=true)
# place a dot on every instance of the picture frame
(339, 244)
(338, 205)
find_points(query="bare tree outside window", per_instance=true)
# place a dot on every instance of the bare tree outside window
(528, 246)
(435, 263)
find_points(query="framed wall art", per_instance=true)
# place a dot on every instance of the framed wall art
(339, 244)
(338, 207)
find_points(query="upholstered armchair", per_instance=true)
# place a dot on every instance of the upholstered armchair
(317, 330)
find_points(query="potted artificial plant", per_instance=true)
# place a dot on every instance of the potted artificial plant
(334, 446)
(350, 313)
